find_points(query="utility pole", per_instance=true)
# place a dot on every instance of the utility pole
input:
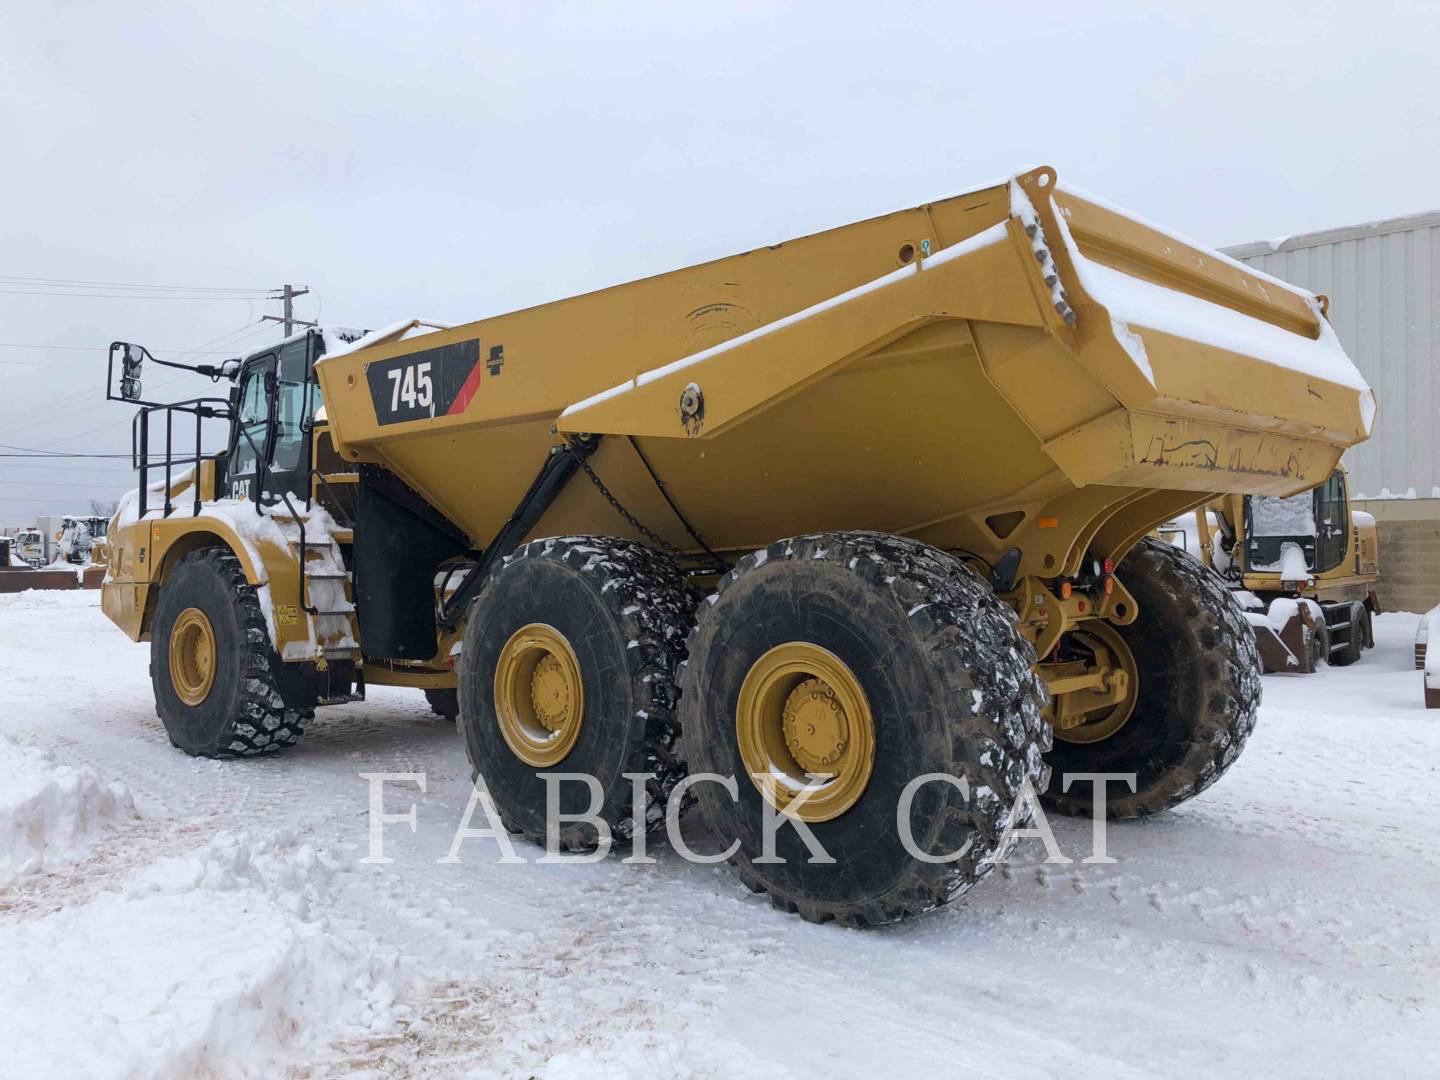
(288, 294)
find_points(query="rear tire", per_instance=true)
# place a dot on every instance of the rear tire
(241, 712)
(1198, 687)
(948, 687)
(620, 614)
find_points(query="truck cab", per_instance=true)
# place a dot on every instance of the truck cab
(1305, 565)
(30, 546)
(269, 406)
(1304, 537)
(274, 405)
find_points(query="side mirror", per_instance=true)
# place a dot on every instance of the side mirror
(130, 358)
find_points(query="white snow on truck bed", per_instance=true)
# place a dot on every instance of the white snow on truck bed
(1284, 923)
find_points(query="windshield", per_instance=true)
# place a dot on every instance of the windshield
(1271, 515)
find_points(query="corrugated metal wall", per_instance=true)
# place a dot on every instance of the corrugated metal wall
(1383, 281)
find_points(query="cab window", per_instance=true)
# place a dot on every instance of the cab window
(253, 414)
(1332, 516)
(290, 406)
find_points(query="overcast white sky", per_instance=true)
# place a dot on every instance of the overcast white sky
(458, 164)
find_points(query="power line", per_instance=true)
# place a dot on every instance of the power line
(76, 365)
(65, 457)
(30, 279)
(208, 298)
(47, 455)
(53, 484)
(66, 405)
(10, 470)
(102, 348)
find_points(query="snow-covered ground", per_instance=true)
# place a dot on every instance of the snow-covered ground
(161, 915)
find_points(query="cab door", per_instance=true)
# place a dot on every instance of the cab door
(250, 433)
(275, 403)
(1332, 520)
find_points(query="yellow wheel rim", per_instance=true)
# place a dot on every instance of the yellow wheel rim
(192, 656)
(539, 698)
(802, 711)
(1100, 644)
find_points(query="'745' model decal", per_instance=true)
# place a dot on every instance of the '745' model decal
(433, 382)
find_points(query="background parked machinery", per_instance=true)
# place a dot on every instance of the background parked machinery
(30, 546)
(1428, 629)
(826, 517)
(1303, 566)
(77, 536)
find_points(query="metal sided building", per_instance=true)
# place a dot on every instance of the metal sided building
(1383, 281)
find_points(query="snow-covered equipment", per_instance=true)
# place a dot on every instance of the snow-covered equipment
(30, 546)
(829, 517)
(1304, 567)
(77, 536)
(1429, 659)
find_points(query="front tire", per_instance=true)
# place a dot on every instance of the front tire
(875, 660)
(212, 665)
(1198, 689)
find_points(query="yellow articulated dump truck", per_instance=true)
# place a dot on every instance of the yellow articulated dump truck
(1304, 567)
(855, 524)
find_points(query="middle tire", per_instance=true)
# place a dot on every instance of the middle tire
(569, 664)
(875, 660)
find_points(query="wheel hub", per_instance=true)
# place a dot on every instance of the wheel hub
(803, 727)
(550, 694)
(539, 695)
(815, 725)
(1093, 715)
(192, 656)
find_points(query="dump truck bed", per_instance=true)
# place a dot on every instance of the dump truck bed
(1019, 367)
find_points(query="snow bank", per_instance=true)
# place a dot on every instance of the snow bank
(51, 813)
(50, 599)
(217, 962)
